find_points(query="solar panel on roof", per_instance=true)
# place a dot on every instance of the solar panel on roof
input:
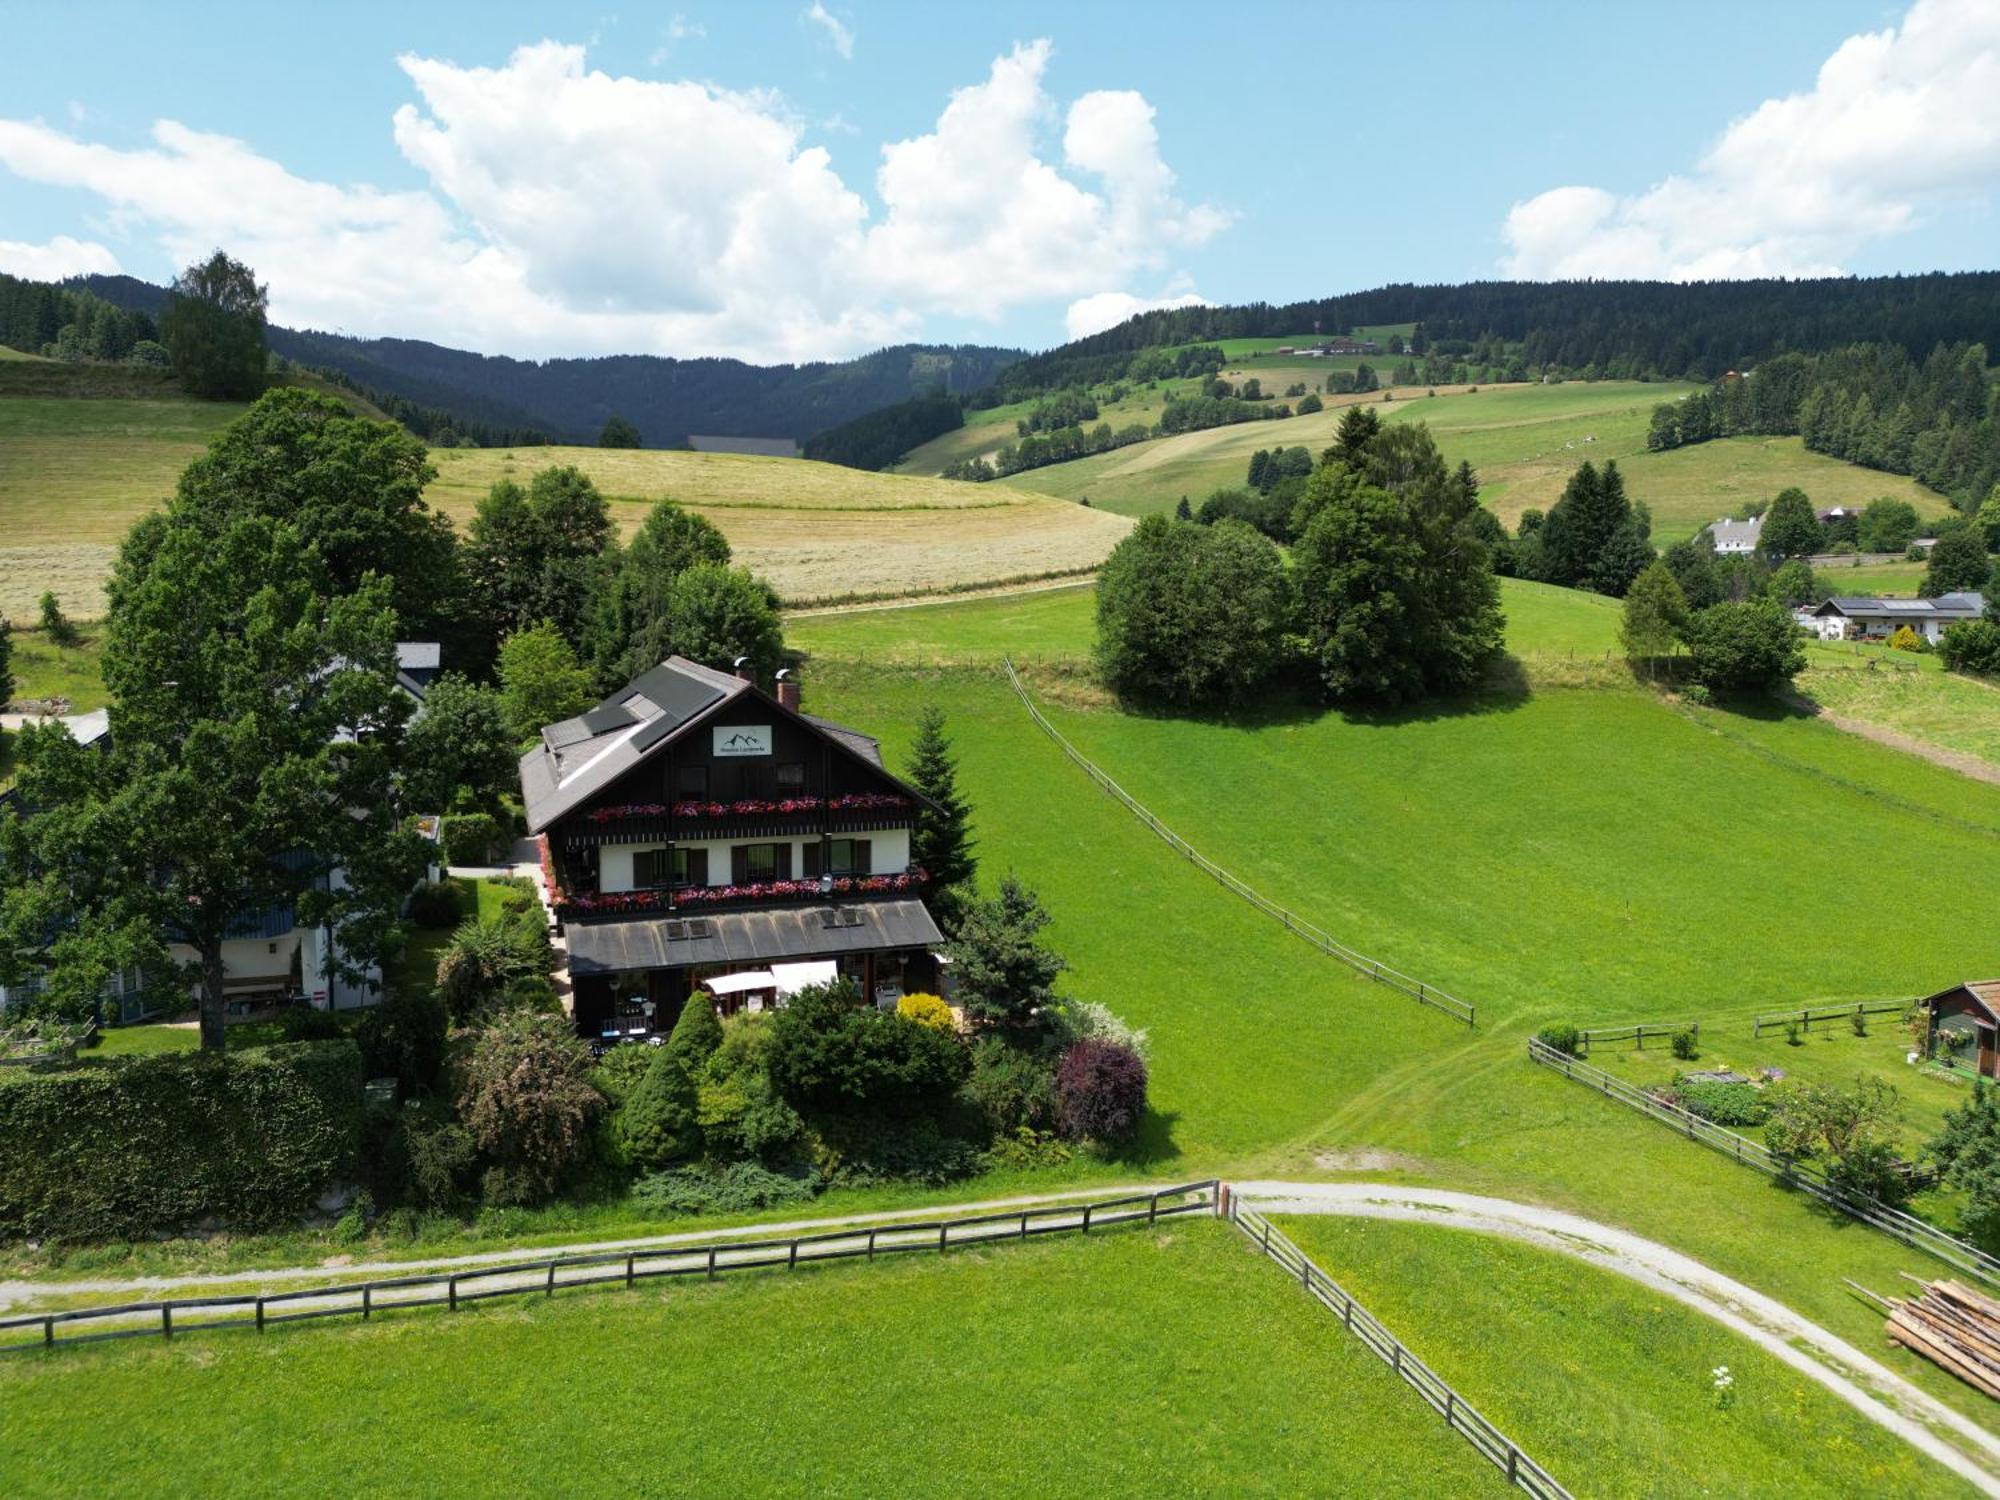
(609, 716)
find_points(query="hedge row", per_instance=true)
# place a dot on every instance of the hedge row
(126, 1146)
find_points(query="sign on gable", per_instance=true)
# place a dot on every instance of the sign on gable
(742, 739)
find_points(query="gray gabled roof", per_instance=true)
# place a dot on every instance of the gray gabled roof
(580, 757)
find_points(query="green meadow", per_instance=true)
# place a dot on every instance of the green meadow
(1180, 1362)
(1524, 441)
(1608, 1384)
(1592, 855)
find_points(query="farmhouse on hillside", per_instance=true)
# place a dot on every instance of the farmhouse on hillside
(1850, 619)
(1963, 1015)
(1738, 538)
(699, 832)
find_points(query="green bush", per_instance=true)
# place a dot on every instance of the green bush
(403, 1038)
(1014, 1087)
(1685, 1044)
(435, 905)
(739, 1111)
(864, 1152)
(1563, 1037)
(468, 838)
(127, 1146)
(741, 1187)
(523, 1089)
(1723, 1103)
(830, 1056)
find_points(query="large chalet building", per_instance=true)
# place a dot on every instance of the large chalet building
(699, 832)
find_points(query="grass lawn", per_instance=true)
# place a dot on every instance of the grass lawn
(1608, 1384)
(43, 669)
(1905, 578)
(1130, 1363)
(1046, 624)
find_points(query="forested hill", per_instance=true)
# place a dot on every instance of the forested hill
(1618, 329)
(667, 399)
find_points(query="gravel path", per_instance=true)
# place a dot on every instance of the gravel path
(1875, 1391)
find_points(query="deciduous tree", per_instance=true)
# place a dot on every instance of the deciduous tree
(541, 681)
(213, 328)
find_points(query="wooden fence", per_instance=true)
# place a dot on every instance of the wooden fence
(1911, 1230)
(625, 1268)
(1807, 1016)
(1636, 1034)
(1460, 1416)
(1381, 973)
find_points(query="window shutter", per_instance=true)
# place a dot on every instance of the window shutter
(811, 862)
(864, 856)
(697, 867)
(784, 862)
(739, 864)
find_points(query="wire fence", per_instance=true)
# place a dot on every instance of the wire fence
(1381, 973)
(1460, 1416)
(623, 1268)
(1907, 1228)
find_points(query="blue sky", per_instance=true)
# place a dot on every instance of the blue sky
(696, 179)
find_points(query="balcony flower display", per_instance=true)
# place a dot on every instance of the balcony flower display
(752, 807)
(604, 902)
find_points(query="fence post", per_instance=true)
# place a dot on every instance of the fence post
(1450, 1400)
(1267, 1236)
(630, 1265)
(1513, 1460)
(1153, 1210)
(550, 1289)
(367, 1302)
(260, 1314)
(49, 1325)
(451, 1293)
(167, 1319)
(792, 1257)
(1086, 1218)
(711, 1254)
(943, 1230)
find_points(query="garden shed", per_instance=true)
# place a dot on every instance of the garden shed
(1963, 1016)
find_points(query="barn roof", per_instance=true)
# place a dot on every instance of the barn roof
(1984, 993)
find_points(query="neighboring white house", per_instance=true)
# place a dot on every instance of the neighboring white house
(1848, 619)
(1736, 537)
(267, 954)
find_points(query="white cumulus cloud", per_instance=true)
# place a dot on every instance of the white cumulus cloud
(56, 258)
(1897, 121)
(567, 210)
(1102, 310)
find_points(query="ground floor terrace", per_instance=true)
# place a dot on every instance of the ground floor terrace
(630, 978)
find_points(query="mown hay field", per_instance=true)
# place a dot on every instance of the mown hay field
(75, 474)
(819, 531)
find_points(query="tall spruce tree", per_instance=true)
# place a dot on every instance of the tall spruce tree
(940, 843)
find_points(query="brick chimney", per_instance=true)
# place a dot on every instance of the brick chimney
(746, 671)
(788, 690)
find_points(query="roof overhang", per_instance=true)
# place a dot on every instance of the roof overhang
(1971, 990)
(788, 934)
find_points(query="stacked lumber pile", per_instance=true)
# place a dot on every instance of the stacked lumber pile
(1952, 1326)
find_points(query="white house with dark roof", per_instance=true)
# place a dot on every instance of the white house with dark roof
(698, 832)
(1851, 618)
